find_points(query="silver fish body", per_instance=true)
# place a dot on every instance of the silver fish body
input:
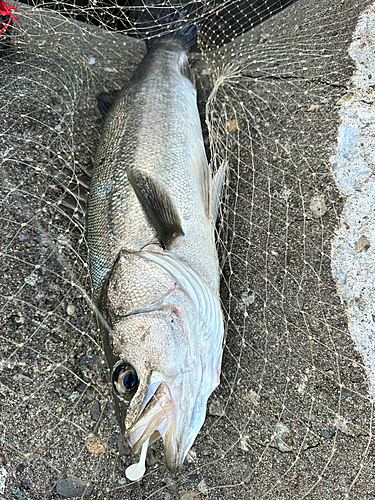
(152, 254)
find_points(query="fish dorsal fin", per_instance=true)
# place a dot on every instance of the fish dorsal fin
(206, 182)
(105, 101)
(184, 68)
(158, 207)
(203, 173)
(217, 189)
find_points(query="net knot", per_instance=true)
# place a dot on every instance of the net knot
(6, 10)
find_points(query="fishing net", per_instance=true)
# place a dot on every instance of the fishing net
(292, 417)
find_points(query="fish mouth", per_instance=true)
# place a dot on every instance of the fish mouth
(153, 420)
(164, 417)
(173, 412)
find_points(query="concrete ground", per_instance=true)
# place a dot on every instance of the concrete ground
(292, 417)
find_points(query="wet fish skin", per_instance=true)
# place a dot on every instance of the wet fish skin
(152, 253)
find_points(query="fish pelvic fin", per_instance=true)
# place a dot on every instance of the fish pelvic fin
(158, 207)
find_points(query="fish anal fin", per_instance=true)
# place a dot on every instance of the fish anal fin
(158, 207)
(105, 101)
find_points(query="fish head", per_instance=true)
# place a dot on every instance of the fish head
(169, 368)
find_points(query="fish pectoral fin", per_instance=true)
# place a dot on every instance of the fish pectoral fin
(217, 189)
(105, 101)
(158, 207)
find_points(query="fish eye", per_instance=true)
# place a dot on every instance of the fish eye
(124, 379)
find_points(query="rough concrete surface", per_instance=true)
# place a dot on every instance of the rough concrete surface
(353, 252)
(292, 417)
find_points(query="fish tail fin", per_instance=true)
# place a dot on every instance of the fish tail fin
(186, 35)
(158, 23)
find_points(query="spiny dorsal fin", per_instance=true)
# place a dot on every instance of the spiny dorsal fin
(203, 173)
(217, 189)
(158, 207)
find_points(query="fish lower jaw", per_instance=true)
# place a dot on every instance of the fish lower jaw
(153, 420)
(136, 446)
(174, 456)
(139, 435)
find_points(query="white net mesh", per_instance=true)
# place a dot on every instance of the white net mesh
(292, 417)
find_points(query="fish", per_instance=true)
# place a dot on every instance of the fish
(153, 259)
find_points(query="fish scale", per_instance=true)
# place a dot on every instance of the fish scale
(152, 252)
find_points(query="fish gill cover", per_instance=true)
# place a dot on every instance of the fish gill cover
(292, 417)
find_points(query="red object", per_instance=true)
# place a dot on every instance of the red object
(5, 10)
